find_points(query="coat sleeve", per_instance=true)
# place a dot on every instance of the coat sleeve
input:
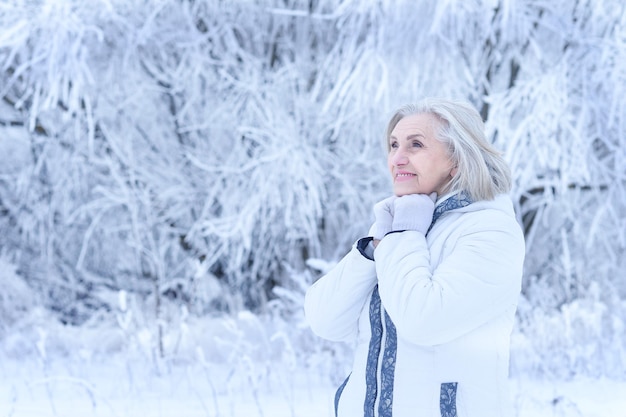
(479, 278)
(332, 305)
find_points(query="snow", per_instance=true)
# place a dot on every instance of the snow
(235, 366)
(579, 397)
(119, 387)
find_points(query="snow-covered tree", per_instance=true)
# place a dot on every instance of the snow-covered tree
(194, 152)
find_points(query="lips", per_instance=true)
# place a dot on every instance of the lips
(404, 176)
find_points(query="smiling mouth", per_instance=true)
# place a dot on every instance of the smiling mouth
(404, 175)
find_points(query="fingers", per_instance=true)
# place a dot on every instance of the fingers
(413, 212)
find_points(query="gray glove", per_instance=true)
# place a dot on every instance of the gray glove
(413, 212)
(383, 214)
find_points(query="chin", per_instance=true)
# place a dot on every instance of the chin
(400, 193)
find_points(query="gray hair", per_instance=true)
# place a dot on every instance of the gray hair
(482, 172)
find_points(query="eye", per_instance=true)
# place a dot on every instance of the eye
(393, 144)
(416, 144)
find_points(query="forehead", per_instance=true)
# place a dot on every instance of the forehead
(425, 124)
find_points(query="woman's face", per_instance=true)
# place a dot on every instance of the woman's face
(418, 162)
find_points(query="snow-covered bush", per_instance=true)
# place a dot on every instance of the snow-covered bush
(582, 337)
(16, 299)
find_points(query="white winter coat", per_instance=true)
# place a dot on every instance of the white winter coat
(450, 298)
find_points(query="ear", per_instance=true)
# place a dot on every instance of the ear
(454, 171)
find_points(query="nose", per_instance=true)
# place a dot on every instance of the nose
(399, 157)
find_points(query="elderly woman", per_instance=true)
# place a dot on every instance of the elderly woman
(430, 296)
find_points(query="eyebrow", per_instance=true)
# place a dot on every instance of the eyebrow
(413, 136)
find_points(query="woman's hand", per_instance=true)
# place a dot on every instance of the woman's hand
(383, 214)
(413, 212)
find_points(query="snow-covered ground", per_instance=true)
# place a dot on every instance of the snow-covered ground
(239, 366)
(122, 387)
